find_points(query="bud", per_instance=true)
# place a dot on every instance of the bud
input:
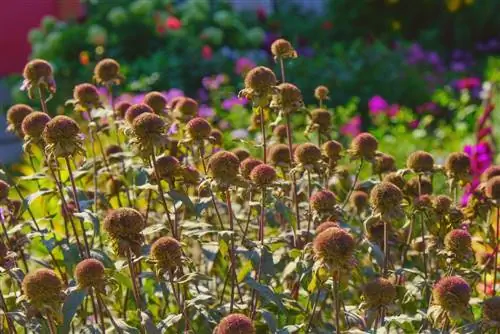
(335, 247)
(260, 83)
(323, 200)
(492, 189)
(326, 225)
(383, 163)
(121, 108)
(288, 98)
(217, 137)
(38, 74)
(124, 226)
(167, 167)
(395, 179)
(43, 289)
(247, 165)
(135, 110)
(241, 153)
(279, 155)
(321, 93)
(386, 199)
(34, 124)
(452, 293)
(458, 242)
(322, 119)
(89, 273)
(86, 97)
(490, 172)
(280, 133)
(332, 149)
(457, 166)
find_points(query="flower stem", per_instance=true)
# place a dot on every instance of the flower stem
(51, 323)
(282, 68)
(386, 250)
(201, 150)
(336, 297)
(294, 180)
(356, 177)
(179, 303)
(94, 157)
(232, 250)
(133, 277)
(309, 192)
(10, 326)
(43, 103)
(263, 132)
(311, 317)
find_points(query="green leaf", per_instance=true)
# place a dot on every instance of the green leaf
(71, 304)
(265, 292)
(193, 277)
(89, 216)
(287, 214)
(126, 328)
(181, 197)
(169, 321)
(289, 329)
(41, 193)
(154, 229)
(270, 320)
(148, 324)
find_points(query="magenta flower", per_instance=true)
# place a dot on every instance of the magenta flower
(430, 107)
(205, 111)
(173, 93)
(232, 101)
(414, 124)
(213, 82)
(468, 83)
(377, 105)
(353, 127)
(481, 157)
(243, 65)
(393, 110)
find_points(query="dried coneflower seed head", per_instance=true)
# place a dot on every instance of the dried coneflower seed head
(332, 149)
(135, 110)
(364, 146)
(167, 253)
(62, 136)
(87, 96)
(307, 154)
(34, 124)
(289, 97)
(147, 124)
(326, 225)
(334, 245)
(224, 165)
(359, 200)
(241, 153)
(279, 155)
(15, 117)
(42, 287)
(452, 293)
(280, 132)
(384, 163)
(39, 72)
(235, 324)
(123, 222)
(107, 72)
(89, 273)
(322, 118)
(492, 189)
(263, 175)
(247, 165)
(260, 79)
(490, 172)
(4, 190)
(121, 109)
(491, 309)
(412, 187)
(156, 101)
(379, 292)
(420, 162)
(457, 165)
(167, 166)
(186, 106)
(396, 179)
(217, 137)
(323, 200)
(198, 128)
(458, 242)
(385, 196)
(321, 93)
(442, 204)
(281, 49)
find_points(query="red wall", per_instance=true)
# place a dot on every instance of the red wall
(17, 18)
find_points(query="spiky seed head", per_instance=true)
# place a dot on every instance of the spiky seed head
(167, 253)
(241, 153)
(359, 200)
(135, 110)
(290, 97)
(492, 189)
(37, 70)
(364, 146)
(490, 172)
(395, 179)
(121, 109)
(186, 106)
(307, 154)
(280, 132)
(385, 196)
(224, 165)
(322, 118)
(4, 190)
(281, 48)
(279, 154)
(263, 175)
(326, 225)
(452, 293)
(60, 128)
(247, 165)
(87, 96)
(156, 101)
(420, 162)
(379, 292)
(34, 124)
(107, 72)
(15, 117)
(42, 287)
(123, 222)
(235, 324)
(148, 124)
(412, 188)
(90, 273)
(384, 163)
(423, 202)
(167, 166)
(458, 242)
(332, 149)
(198, 128)
(217, 137)
(323, 200)
(321, 93)
(442, 204)
(334, 246)
(457, 166)
(491, 309)
(260, 79)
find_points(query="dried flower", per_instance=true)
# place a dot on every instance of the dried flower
(323, 200)
(490, 172)
(452, 293)
(420, 162)
(38, 74)
(62, 137)
(280, 133)
(185, 108)
(412, 188)
(458, 242)
(396, 179)
(148, 132)
(279, 155)
(43, 289)
(321, 93)
(379, 292)
(307, 154)
(217, 137)
(107, 72)
(156, 101)
(89, 273)
(363, 146)
(263, 175)
(383, 163)
(359, 200)
(321, 120)
(241, 153)
(124, 226)
(326, 225)
(332, 150)
(260, 84)
(15, 117)
(491, 309)
(224, 165)
(198, 128)
(492, 189)
(167, 167)
(235, 324)
(288, 98)
(457, 167)
(442, 204)
(135, 110)
(86, 97)
(121, 108)
(335, 248)
(34, 124)
(282, 49)
(166, 252)
(247, 165)
(386, 200)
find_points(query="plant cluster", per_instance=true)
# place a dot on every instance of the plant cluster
(139, 218)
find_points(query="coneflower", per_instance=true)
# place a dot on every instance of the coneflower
(156, 101)
(235, 324)
(452, 293)
(15, 117)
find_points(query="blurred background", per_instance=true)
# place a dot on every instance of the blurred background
(377, 54)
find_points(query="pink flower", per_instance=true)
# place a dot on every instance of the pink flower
(393, 110)
(377, 105)
(205, 111)
(214, 82)
(414, 124)
(173, 23)
(173, 93)
(206, 52)
(353, 127)
(229, 103)
(243, 65)
(468, 83)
